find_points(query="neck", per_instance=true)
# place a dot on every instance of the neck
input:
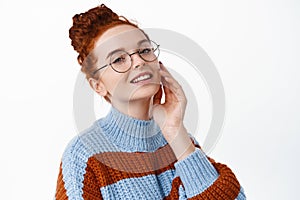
(138, 109)
(131, 134)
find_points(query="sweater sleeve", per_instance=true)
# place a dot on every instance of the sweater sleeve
(76, 179)
(203, 178)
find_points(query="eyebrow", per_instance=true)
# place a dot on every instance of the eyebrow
(122, 49)
(114, 51)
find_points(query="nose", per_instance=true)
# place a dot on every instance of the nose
(136, 60)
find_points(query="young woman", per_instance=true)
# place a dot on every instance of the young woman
(141, 149)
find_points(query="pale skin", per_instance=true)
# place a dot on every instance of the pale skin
(143, 101)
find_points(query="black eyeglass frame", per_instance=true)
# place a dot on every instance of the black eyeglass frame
(139, 53)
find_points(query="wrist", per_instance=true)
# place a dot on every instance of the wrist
(180, 142)
(185, 153)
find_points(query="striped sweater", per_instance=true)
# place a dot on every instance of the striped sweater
(120, 157)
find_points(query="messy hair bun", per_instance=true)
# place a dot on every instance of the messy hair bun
(87, 27)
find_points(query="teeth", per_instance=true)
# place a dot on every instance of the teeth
(141, 78)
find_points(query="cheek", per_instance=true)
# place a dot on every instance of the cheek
(112, 80)
(156, 65)
(156, 68)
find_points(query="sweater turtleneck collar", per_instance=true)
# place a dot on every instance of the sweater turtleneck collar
(131, 134)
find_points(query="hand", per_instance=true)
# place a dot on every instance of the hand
(170, 114)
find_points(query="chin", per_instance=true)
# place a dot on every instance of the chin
(145, 91)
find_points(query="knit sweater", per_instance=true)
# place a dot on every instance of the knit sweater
(120, 157)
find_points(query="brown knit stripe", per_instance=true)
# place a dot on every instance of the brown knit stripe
(61, 192)
(91, 189)
(174, 193)
(107, 168)
(225, 187)
(196, 145)
(110, 167)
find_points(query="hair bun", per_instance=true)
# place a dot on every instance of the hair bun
(84, 24)
(89, 25)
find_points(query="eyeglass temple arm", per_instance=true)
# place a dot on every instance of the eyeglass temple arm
(99, 69)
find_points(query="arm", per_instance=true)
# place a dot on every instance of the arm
(76, 179)
(200, 177)
(203, 178)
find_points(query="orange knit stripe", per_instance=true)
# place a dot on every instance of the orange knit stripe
(110, 167)
(107, 168)
(91, 189)
(227, 181)
(138, 162)
(61, 192)
(174, 193)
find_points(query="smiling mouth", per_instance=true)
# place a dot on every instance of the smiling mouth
(141, 78)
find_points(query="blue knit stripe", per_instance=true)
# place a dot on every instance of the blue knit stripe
(241, 195)
(146, 187)
(99, 138)
(129, 134)
(196, 173)
(74, 160)
(75, 157)
(118, 132)
(182, 194)
(97, 142)
(73, 168)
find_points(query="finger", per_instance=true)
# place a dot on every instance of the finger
(168, 76)
(171, 83)
(172, 88)
(163, 68)
(170, 80)
(164, 79)
(169, 96)
(166, 86)
(174, 93)
(165, 72)
(172, 96)
(157, 96)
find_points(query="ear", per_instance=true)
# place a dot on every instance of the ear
(98, 86)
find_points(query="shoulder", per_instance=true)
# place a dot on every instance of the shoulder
(74, 161)
(76, 150)
(87, 143)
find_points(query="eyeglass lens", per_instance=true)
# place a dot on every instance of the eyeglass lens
(121, 60)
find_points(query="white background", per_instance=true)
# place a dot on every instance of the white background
(255, 46)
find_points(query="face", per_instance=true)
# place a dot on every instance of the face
(141, 81)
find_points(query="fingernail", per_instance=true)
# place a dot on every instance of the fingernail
(160, 62)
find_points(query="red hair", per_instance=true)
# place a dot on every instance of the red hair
(87, 28)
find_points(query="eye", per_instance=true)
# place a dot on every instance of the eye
(146, 50)
(119, 59)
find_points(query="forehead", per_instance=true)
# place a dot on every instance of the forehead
(121, 36)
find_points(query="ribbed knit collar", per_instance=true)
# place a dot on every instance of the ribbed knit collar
(130, 134)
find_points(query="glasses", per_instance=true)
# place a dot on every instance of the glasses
(120, 61)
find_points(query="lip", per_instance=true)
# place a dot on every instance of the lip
(141, 74)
